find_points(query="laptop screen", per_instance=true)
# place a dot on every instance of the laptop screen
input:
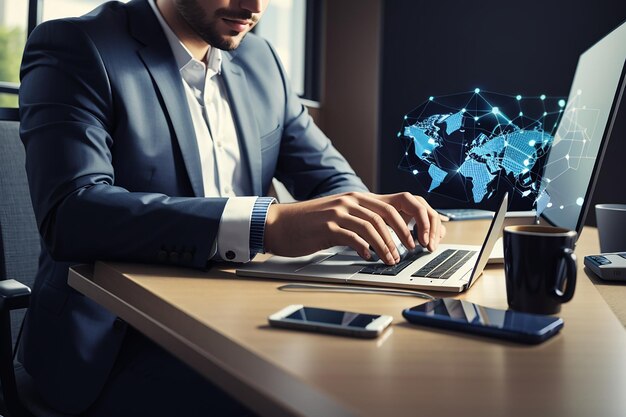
(573, 162)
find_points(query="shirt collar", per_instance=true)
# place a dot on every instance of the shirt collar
(181, 54)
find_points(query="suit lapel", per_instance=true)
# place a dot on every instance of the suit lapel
(158, 59)
(243, 115)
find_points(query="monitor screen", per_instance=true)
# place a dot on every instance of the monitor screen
(583, 132)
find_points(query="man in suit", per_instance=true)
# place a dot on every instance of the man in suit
(152, 132)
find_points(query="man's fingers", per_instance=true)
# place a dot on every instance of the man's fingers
(428, 221)
(418, 209)
(393, 218)
(368, 232)
(435, 224)
(345, 237)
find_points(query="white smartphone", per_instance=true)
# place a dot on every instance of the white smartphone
(345, 323)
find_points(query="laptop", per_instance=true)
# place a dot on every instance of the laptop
(564, 198)
(449, 268)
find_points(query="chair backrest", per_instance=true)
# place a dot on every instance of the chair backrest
(19, 237)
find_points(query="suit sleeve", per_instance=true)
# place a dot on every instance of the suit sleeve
(67, 127)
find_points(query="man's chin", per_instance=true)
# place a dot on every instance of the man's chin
(228, 42)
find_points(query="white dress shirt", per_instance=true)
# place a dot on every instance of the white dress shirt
(223, 174)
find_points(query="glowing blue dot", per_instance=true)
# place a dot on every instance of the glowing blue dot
(526, 162)
(463, 110)
(477, 90)
(543, 96)
(431, 98)
(518, 98)
(399, 134)
(579, 201)
(562, 103)
(414, 172)
(521, 114)
(545, 113)
(531, 142)
(406, 117)
(495, 110)
(475, 118)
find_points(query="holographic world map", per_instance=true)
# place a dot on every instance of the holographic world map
(474, 146)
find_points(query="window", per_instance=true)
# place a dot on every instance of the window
(292, 27)
(13, 21)
(284, 25)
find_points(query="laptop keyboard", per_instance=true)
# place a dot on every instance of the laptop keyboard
(382, 269)
(445, 264)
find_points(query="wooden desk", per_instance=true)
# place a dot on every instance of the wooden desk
(216, 322)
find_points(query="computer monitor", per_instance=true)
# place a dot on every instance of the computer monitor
(574, 161)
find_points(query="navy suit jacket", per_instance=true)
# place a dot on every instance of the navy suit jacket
(115, 174)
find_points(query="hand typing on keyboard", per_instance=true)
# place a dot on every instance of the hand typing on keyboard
(354, 219)
(403, 251)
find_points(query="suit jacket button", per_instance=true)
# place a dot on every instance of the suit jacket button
(162, 256)
(230, 255)
(118, 324)
(174, 256)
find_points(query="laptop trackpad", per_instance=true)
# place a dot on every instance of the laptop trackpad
(341, 263)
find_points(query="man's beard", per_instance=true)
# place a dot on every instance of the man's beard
(197, 19)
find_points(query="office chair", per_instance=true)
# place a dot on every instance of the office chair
(19, 253)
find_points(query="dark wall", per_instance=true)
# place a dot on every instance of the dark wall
(448, 46)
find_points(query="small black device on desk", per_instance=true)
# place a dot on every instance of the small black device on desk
(608, 266)
(464, 316)
(323, 320)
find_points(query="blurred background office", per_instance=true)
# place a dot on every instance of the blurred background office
(360, 65)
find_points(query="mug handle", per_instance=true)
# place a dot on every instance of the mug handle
(570, 274)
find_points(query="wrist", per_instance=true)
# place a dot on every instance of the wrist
(270, 225)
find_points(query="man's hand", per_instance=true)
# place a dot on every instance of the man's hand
(357, 220)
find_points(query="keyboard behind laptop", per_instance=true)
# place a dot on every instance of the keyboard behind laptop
(466, 214)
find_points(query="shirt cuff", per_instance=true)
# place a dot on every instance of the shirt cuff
(234, 231)
(257, 224)
(242, 226)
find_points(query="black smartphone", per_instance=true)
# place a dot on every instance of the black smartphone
(323, 320)
(464, 316)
